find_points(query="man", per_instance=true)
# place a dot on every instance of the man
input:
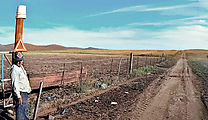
(21, 86)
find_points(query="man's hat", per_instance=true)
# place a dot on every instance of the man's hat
(19, 56)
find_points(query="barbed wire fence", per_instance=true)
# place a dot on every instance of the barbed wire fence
(94, 73)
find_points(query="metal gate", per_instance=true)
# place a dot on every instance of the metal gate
(6, 94)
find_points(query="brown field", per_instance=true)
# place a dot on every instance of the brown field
(79, 97)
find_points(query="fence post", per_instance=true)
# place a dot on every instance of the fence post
(131, 63)
(162, 57)
(111, 69)
(127, 66)
(145, 61)
(80, 78)
(137, 62)
(62, 81)
(150, 61)
(119, 68)
(37, 102)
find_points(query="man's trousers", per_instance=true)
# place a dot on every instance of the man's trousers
(21, 109)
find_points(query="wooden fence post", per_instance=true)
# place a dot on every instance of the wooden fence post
(137, 62)
(131, 63)
(111, 69)
(37, 102)
(127, 66)
(119, 68)
(145, 61)
(62, 81)
(150, 61)
(80, 78)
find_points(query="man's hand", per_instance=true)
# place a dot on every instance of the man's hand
(20, 101)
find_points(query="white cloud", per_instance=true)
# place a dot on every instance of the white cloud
(191, 36)
(105, 38)
(202, 20)
(184, 37)
(6, 35)
(167, 8)
(196, 17)
(194, 8)
(203, 3)
(127, 9)
(142, 8)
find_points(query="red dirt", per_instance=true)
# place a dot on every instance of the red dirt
(176, 99)
(164, 94)
(169, 97)
(102, 109)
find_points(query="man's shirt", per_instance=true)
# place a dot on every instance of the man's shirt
(20, 82)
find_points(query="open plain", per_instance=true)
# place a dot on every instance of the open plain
(162, 85)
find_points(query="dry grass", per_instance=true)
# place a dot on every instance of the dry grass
(197, 53)
(111, 52)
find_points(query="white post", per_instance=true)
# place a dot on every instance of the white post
(37, 102)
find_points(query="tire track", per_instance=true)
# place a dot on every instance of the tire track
(173, 100)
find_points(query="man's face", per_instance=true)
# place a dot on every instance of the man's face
(20, 63)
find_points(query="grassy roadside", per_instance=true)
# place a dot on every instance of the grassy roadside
(153, 53)
(200, 68)
(144, 70)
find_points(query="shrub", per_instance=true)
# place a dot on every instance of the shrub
(143, 70)
(199, 69)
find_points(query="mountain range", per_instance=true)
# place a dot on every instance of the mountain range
(31, 47)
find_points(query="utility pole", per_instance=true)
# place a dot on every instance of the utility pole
(20, 17)
(18, 44)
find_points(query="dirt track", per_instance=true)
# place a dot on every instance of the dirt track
(171, 96)
(175, 99)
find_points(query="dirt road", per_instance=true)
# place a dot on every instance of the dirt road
(169, 95)
(175, 99)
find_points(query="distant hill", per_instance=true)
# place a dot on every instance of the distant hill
(8, 47)
(31, 47)
(92, 48)
(197, 49)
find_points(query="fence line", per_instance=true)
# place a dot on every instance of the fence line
(112, 69)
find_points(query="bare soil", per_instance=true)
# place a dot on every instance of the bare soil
(171, 96)
(175, 99)
(164, 94)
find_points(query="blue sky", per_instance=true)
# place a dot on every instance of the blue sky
(110, 24)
